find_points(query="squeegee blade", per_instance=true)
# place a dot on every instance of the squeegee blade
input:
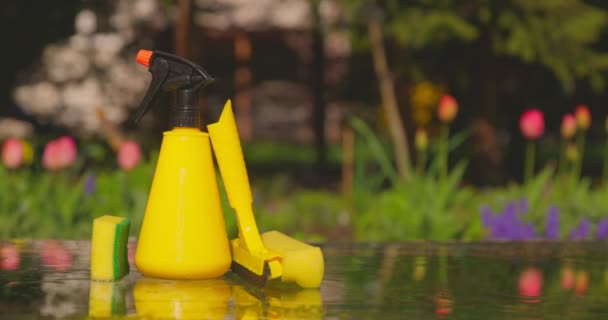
(251, 277)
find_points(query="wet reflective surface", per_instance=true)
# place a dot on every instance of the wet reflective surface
(543, 280)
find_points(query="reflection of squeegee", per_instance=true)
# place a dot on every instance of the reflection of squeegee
(254, 257)
(277, 303)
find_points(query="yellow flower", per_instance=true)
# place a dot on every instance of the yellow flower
(28, 152)
(421, 139)
(572, 152)
(583, 116)
(423, 99)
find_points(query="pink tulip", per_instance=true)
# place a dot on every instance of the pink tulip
(568, 278)
(47, 253)
(583, 116)
(443, 305)
(9, 257)
(57, 256)
(131, 249)
(50, 156)
(68, 153)
(63, 260)
(568, 126)
(530, 282)
(129, 155)
(532, 124)
(448, 108)
(59, 153)
(581, 283)
(12, 153)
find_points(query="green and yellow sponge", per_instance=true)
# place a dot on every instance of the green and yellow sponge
(109, 248)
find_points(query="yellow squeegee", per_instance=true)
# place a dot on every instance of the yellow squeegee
(256, 257)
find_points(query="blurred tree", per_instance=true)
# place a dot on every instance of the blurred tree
(492, 38)
(93, 68)
(26, 26)
(372, 16)
(559, 34)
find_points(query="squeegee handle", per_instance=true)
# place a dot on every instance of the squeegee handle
(228, 152)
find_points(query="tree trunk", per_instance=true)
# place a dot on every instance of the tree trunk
(487, 147)
(182, 29)
(389, 99)
(318, 85)
(348, 160)
(242, 85)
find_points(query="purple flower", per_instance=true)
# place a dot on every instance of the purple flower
(526, 232)
(602, 229)
(486, 216)
(523, 205)
(552, 227)
(507, 224)
(491, 222)
(90, 184)
(581, 232)
(510, 221)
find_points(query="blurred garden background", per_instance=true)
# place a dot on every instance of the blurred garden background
(360, 120)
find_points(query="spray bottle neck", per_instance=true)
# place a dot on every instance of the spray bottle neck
(186, 112)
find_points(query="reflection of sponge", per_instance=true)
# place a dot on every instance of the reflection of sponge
(109, 248)
(106, 299)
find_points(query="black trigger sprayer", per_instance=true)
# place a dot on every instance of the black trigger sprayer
(171, 73)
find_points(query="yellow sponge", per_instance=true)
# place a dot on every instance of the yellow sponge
(109, 248)
(302, 263)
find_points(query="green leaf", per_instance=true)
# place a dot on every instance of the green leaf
(376, 148)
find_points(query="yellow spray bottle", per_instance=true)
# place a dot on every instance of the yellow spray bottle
(183, 234)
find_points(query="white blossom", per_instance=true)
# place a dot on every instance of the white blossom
(64, 63)
(120, 20)
(291, 14)
(108, 43)
(15, 128)
(143, 9)
(41, 98)
(80, 42)
(86, 22)
(263, 14)
(82, 96)
(92, 69)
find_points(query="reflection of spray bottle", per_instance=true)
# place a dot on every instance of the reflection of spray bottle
(183, 234)
(189, 299)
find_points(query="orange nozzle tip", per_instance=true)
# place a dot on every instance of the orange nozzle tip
(143, 57)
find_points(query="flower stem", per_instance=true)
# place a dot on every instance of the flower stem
(421, 162)
(561, 169)
(578, 166)
(443, 145)
(605, 176)
(529, 166)
(443, 266)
